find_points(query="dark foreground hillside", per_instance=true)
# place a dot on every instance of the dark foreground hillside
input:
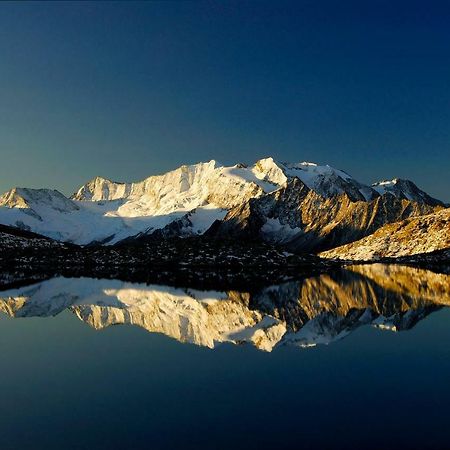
(228, 263)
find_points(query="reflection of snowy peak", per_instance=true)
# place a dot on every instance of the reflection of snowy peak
(190, 199)
(316, 310)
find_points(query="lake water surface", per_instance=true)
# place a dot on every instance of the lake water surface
(359, 358)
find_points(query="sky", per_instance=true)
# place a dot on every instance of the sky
(128, 90)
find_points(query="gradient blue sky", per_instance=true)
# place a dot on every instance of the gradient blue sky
(126, 90)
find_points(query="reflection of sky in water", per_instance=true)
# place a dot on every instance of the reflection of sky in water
(65, 385)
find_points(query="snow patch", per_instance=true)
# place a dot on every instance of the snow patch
(275, 231)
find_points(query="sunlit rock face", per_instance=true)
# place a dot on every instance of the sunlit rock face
(315, 310)
(412, 236)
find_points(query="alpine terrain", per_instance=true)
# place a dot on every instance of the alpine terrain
(302, 207)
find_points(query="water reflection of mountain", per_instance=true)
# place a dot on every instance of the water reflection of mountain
(316, 310)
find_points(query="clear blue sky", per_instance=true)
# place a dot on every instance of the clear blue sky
(126, 90)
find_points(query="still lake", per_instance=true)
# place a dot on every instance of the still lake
(357, 358)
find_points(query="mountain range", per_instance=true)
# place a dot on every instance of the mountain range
(303, 207)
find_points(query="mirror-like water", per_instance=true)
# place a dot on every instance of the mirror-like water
(316, 310)
(66, 385)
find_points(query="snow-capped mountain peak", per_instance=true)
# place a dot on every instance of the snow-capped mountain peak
(323, 179)
(37, 198)
(405, 189)
(100, 188)
(269, 170)
(186, 187)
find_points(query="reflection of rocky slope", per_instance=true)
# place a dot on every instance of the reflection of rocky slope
(326, 308)
(315, 310)
(410, 237)
(408, 282)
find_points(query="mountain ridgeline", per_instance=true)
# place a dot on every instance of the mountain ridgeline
(304, 207)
